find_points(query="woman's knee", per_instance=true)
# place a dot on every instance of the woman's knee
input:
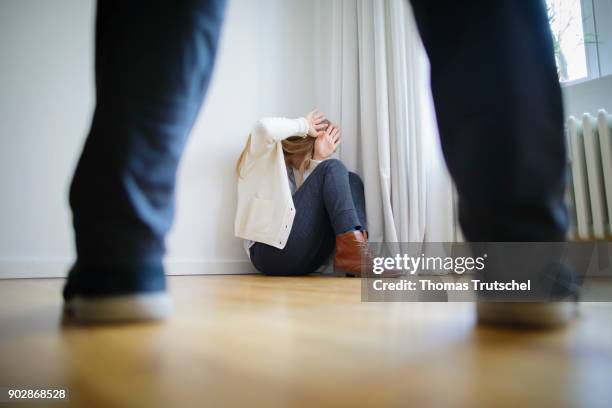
(333, 165)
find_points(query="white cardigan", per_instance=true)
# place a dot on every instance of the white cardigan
(265, 210)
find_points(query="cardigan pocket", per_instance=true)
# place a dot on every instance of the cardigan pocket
(261, 216)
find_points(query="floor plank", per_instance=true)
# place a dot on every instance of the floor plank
(260, 341)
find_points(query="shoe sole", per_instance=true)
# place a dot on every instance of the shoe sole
(534, 315)
(120, 309)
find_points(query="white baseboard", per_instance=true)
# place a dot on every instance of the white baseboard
(43, 267)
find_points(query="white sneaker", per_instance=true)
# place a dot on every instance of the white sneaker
(111, 296)
(119, 308)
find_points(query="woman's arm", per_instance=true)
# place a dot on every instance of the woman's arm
(272, 130)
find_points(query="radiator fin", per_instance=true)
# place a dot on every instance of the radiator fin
(590, 188)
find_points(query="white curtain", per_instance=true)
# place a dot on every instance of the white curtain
(372, 77)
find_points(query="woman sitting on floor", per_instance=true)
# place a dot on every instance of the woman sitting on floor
(295, 204)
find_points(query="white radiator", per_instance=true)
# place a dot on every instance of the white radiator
(590, 164)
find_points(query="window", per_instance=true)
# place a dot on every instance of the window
(566, 23)
(582, 38)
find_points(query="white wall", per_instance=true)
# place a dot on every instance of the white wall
(264, 67)
(588, 96)
(46, 100)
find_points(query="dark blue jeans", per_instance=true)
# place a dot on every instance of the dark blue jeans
(500, 117)
(153, 62)
(330, 202)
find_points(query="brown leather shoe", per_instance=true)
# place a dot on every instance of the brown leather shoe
(353, 256)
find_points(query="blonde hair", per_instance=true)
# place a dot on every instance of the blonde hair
(293, 145)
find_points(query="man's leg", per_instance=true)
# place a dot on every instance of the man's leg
(500, 116)
(499, 112)
(154, 61)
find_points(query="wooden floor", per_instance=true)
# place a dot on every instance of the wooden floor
(266, 342)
